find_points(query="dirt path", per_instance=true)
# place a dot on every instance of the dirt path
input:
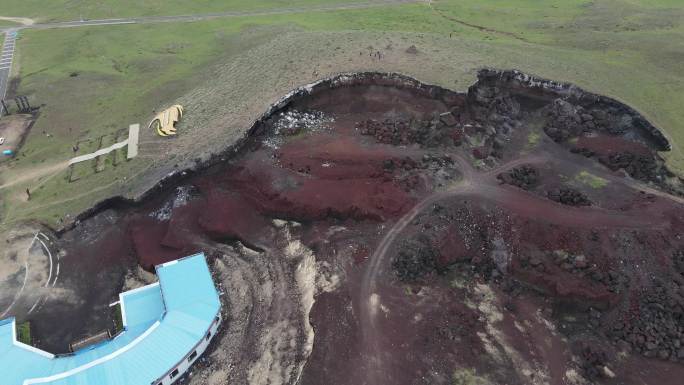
(483, 185)
(25, 21)
(35, 173)
(478, 27)
(370, 304)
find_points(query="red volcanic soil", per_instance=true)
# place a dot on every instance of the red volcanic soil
(607, 145)
(448, 272)
(230, 217)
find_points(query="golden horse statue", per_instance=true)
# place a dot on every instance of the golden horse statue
(165, 121)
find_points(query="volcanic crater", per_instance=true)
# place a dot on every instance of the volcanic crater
(372, 229)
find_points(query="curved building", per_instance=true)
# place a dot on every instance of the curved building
(167, 326)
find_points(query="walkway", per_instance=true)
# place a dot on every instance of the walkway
(131, 142)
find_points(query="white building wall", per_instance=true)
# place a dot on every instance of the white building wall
(186, 363)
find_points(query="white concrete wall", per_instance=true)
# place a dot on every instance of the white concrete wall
(185, 364)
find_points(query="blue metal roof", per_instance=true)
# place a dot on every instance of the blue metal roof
(163, 323)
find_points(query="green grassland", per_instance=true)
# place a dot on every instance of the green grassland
(67, 10)
(93, 81)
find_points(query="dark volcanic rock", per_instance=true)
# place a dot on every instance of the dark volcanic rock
(574, 106)
(525, 177)
(568, 196)
(415, 259)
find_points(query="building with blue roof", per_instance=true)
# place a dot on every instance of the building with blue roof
(167, 326)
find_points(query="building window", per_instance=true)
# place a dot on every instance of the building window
(208, 335)
(192, 356)
(174, 373)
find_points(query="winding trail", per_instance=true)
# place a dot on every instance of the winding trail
(475, 26)
(484, 185)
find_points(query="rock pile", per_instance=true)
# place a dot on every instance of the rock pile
(428, 133)
(593, 362)
(567, 121)
(657, 328)
(496, 110)
(596, 112)
(415, 259)
(568, 196)
(525, 177)
(294, 122)
(637, 166)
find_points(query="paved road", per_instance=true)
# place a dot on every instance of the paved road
(218, 15)
(6, 56)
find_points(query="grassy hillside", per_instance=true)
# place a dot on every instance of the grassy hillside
(96, 80)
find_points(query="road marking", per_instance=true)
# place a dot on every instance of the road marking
(50, 255)
(49, 274)
(34, 305)
(56, 276)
